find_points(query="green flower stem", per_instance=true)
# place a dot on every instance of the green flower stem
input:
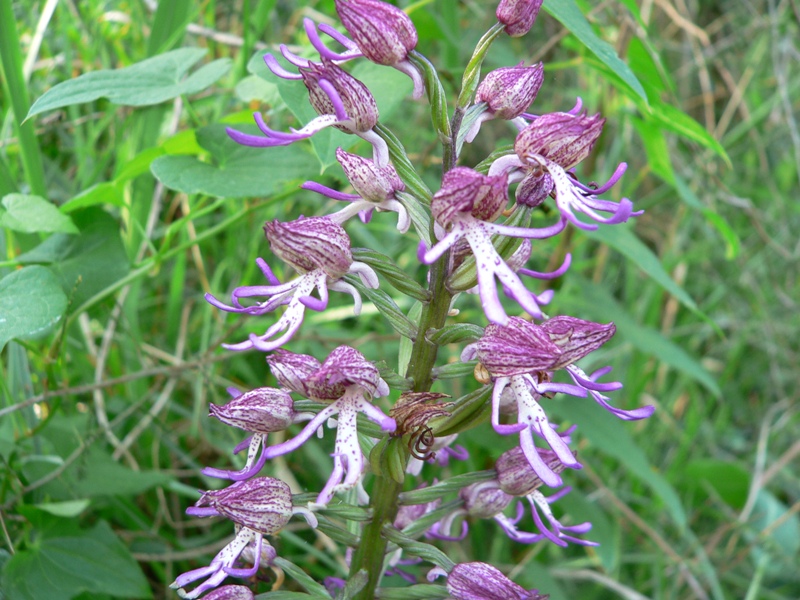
(370, 553)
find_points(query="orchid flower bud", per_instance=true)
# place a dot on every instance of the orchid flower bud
(515, 474)
(564, 138)
(311, 243)
(465, 191)
(518, 15)
(509, 91)
(534, 189)
(291, 370)
(576, 338)
(517, 348)
(371, 182)
(345, 366)
(262, 410)
(383, 33)
(484, 500)
(263, 504)
(357, 103)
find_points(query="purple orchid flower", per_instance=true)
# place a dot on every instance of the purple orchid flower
(465, 207)
(518, 15)
(481, 581)
(260, 411)
(340, 100)
(347, 382)
(521, 357)
(375, 187)
(546, 150)
(258, 507)
(318, 249)
(507, 92)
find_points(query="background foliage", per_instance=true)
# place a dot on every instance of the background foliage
(116, 220)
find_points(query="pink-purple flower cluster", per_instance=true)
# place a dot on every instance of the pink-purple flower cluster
(478, 236)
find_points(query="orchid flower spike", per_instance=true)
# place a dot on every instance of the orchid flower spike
(347, 382)
(319, 250)
(375, 189)
(465, 207)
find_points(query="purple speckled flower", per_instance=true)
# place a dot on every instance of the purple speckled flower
(507, 92)
(340, 100)
(347, 382)
(480, 581)
(545, 152)
(230, 592)
(465, 207)
(518, 15)
(259, 507)
(375, 189)
(319, 250)
(516, 477)
(521, 357)
(260, 411)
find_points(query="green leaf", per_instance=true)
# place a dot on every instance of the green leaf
(387, 307)
(674, 119)
(655, 146)
(235, 171)
(312, 587)
(87, 263)
(598, 304)
(780, 540)
(396, 276)
(100, 475)
(623, 240)
(60, 567)
(70, 508)
(31, 304)
(612, 436)
(33, 214)
(730, 480)
(151, 81)
(569, 15)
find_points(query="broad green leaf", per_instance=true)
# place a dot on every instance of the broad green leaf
(571, 17)
(99, 475)
(86, 263)
(70, 508)
(33, 214)
(612, 436)
(31, 304)
(781, 540)
(151, 81)
(596, 303)
(728, 479)
(235, 171)
(623, 240)
(60, 567)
